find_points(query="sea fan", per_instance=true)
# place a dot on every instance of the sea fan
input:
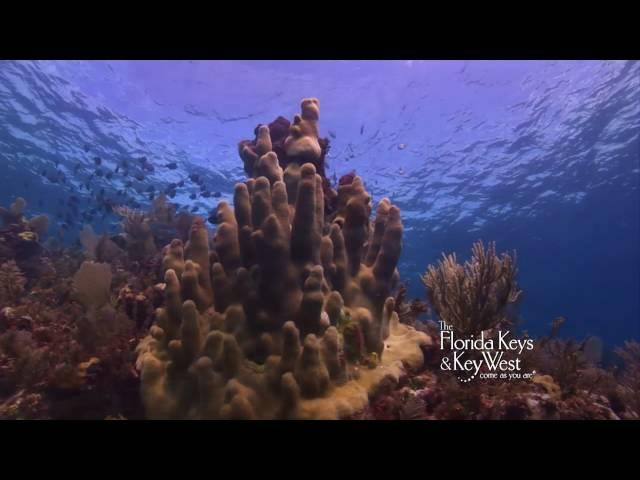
(92, 284)
(473, 297)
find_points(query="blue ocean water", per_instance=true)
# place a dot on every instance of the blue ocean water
(541, 156)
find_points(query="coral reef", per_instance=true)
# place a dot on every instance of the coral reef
(138, 235)
(269, 342)
(568, 380)
(144, 230)
(282, 143)
(12, 283)
(567, 368)
(630, 354)
(568, 384)
(100, 321)
(293, 309)
(289, 316)
(20, 238)
(166, 224)
(298, 142)
(91, 284)
(408, 312)
(98, 247)
(139, 305)
(625, 393)
(560, 360)
(14, 215)
(434, 396)
(473, 297)
(46, 372)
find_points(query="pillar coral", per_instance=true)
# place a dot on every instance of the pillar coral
(288, 315)
(296, 142)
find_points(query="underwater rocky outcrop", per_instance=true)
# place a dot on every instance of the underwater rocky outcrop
(288, 315)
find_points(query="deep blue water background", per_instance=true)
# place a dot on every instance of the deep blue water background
(541, 156)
